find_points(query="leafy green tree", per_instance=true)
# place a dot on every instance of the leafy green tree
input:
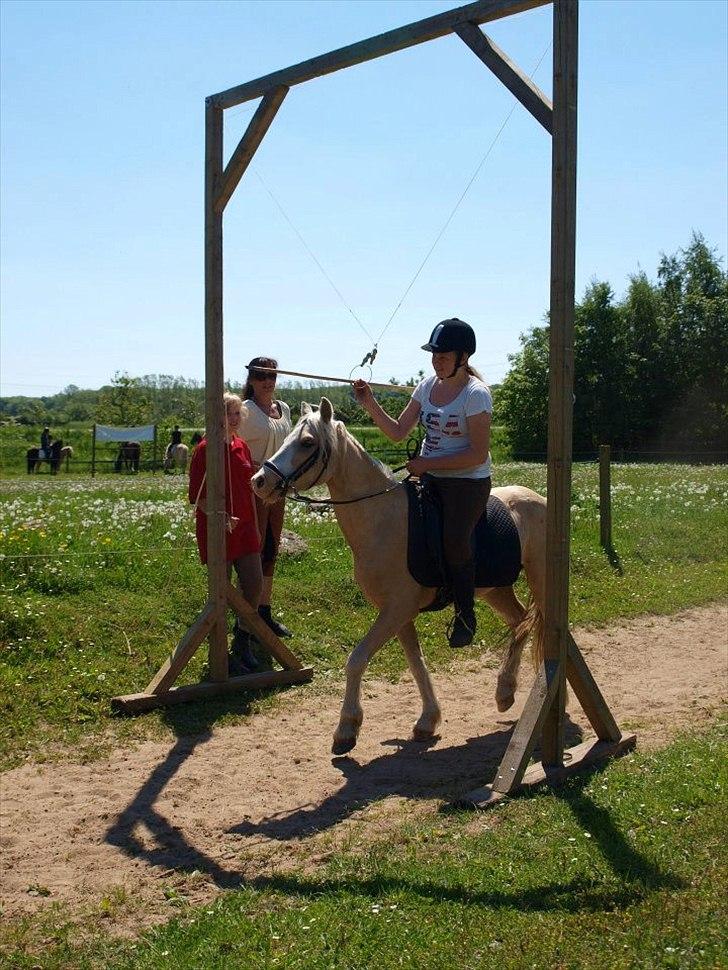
(124, 402)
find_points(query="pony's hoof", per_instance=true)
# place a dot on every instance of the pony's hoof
(343, 746)
(420, 734)
(503, 703)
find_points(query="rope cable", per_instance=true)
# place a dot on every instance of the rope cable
(449, 219)
(312, 254)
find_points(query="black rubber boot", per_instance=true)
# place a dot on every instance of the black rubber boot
(241, 652)
(462, 631)
(278, 628)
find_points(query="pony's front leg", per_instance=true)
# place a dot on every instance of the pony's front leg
(429, 719)
(384, 628)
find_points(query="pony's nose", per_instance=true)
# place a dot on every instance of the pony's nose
(258, 481)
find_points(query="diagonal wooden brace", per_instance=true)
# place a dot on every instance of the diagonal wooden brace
(259, 628)
(183, 652)
(588, 694)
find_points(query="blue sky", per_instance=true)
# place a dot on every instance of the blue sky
(102, 119)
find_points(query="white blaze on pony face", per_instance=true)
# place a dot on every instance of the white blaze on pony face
(287, 468)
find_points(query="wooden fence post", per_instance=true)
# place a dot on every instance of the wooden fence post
(93, 451)
(605, 497)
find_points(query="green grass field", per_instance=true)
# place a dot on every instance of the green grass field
(100, 578)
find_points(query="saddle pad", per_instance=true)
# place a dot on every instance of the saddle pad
(495, 537)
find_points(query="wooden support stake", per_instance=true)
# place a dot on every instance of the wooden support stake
(589, 696)
(605, 497)
(518, 83)
(561, 363)
(93, 452)
(214, 390)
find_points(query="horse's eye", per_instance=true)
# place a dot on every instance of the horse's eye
(308, 442)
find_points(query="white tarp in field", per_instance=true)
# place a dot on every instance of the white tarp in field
(105, 432)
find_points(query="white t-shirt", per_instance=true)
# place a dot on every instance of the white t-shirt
(446, 427)
(263, 434)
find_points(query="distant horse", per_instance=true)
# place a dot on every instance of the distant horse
(176, 457)
(54, 456)
(128, 456)
(374, 523)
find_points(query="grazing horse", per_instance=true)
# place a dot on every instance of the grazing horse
(58, 451)
(128, 456)
(176, 457)
(373, 518)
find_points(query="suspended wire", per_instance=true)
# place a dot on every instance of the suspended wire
(449, 219)
(312, 254)
(432, 248)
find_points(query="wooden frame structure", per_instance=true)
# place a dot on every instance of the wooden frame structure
(544, 713)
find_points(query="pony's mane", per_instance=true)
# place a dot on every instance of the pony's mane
(379, 465)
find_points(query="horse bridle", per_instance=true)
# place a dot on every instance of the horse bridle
(286, 481)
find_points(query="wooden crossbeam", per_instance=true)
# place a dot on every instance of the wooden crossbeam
(518, 83)
(441, 24)
(249, 143)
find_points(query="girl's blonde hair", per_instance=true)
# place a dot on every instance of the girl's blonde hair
(230, 398)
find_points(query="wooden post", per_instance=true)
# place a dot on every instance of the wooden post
(93, 451)
(561, 365)
(154, 452)
(214, 389)
(605, 497)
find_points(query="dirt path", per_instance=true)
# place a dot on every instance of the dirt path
(253, 799)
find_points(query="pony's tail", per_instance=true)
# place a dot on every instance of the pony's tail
(532, 626)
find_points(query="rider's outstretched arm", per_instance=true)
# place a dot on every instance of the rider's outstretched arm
(395, 428)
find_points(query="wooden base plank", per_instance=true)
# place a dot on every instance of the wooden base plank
(136, 703)
(575, 759)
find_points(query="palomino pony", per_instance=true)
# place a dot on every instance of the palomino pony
(372, 515)
(176, 457)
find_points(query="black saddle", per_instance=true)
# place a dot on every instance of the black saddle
(496, 545)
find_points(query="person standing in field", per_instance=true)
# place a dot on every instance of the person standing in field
(264, 424)
(455, 408)
(242, 537)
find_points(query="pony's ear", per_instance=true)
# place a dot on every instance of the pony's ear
(305, 408)
(326, 410)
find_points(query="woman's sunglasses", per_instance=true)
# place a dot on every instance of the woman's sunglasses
(261, 375)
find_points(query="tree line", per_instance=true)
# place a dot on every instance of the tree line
(650, 373)
(650, 369)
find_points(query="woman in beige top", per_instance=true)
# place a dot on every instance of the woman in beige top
(264, 424)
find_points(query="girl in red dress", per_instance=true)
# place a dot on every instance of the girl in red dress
(242, 539)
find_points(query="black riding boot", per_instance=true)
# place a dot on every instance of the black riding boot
(242, 657)
(275, 625)
(462, 630)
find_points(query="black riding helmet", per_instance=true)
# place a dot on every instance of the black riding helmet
(450, 335)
